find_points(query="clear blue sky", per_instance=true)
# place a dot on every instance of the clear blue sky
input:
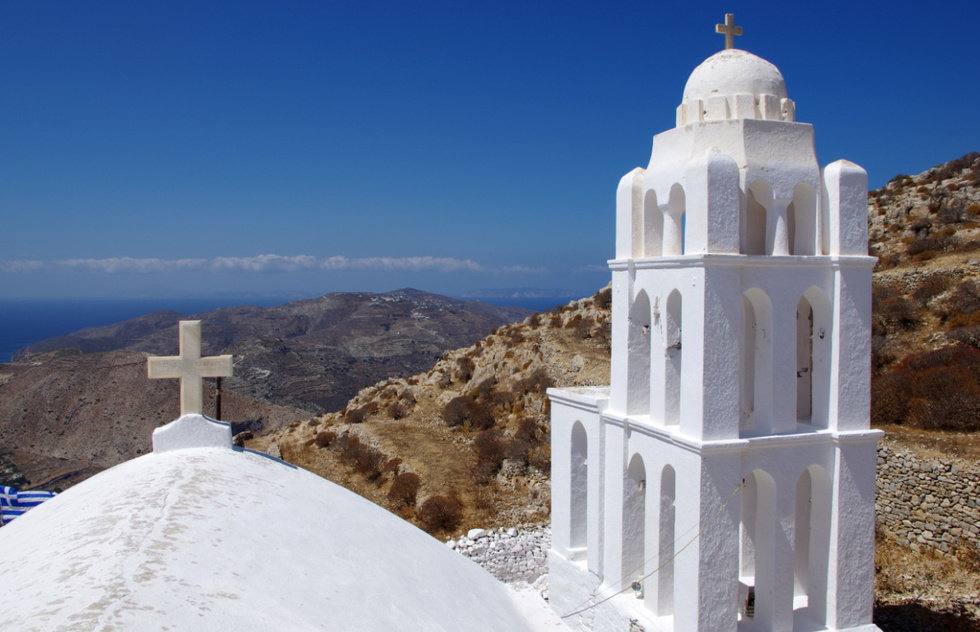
(181, 148)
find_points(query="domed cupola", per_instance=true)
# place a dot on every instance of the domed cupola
(735, 84)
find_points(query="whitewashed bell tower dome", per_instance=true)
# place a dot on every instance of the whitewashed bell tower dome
(725, 479)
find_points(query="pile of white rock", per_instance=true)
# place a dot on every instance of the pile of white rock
(510, 555)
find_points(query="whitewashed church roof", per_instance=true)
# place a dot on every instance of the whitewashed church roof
(735, 84)
(731, 72)
(219, 539)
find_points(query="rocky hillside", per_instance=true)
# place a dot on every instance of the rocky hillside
(66, 415)
(926, 298)
(74, 405)
(313, 354)
(467, 442)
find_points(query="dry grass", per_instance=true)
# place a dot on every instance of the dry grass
(922, 592)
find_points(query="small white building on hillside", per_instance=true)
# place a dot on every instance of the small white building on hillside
(725, 480)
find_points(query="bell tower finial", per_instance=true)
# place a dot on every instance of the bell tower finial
(729, 29)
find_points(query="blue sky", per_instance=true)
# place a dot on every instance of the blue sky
(188, 148)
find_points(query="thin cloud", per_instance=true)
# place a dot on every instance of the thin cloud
(21, 266)
(407, 264)
(268, 263)
(523, 270)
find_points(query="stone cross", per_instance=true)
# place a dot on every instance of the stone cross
(189, 367)
(729, 29)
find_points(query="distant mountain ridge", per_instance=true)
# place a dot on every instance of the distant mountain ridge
(311, 353)
(76, 404)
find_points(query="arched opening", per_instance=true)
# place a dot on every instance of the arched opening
(803, 225)
(674, 223)
(673, 331)
(757, 204)
(811, 549)
(818, 333)
(756, 374)
(804, 360)
(638, 376)
(634, 520)
(578, 516)
(653, 225)
(757, 529)
(665, 576)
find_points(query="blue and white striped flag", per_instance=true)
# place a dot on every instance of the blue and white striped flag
(14, 503)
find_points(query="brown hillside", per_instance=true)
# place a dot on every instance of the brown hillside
(65, 416)
(474, 428)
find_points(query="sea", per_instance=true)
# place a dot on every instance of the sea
(26, 321)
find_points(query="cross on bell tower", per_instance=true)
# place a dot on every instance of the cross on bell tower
(729, 29)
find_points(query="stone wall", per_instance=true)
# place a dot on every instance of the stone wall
(509, 554)
(927, 502)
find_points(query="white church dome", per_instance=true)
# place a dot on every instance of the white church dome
(220, 539)
(732, 72)
(734, 84)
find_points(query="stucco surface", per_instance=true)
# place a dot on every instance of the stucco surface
(222, 539)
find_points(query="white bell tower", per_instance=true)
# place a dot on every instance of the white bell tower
(726, 478)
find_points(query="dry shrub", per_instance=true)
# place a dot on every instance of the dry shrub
(603, 333)
(881, 355)
(444, 380)
(603, 298)
(969, 336)
(324, 438)
(555, 322)
(921, 224)
(935, 243)
(880, 293)
(937, 390)
(965, 299)
(900, 312)
(484, 472)
(537, 382)
(485, 387)
(501, 399)
(948, 398)
(397, 410)
(927, 255)
(440, 513)
(932, 286)
(534, 320)
(356, 416)
(890, 398)
(487, 436)
(458, 411)
(366, 460)
(348, 445)
(482, 417)
(404, 489)
(583, 328)
(491, 458)
(464, 369)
